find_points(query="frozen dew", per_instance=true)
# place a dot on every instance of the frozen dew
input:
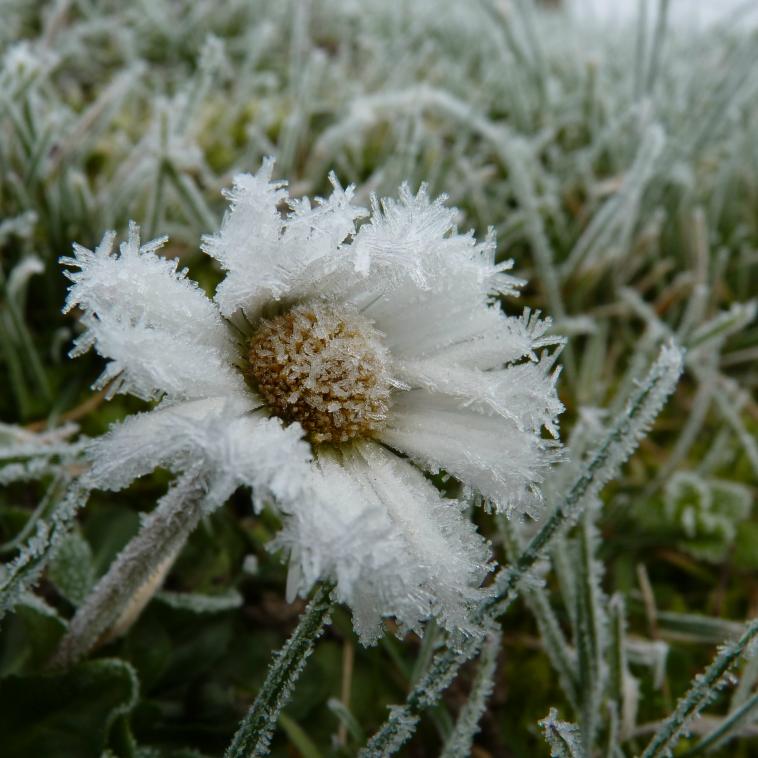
(323, 365)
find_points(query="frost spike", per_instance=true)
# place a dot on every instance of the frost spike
(467, 725)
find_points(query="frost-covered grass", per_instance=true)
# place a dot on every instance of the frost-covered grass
(619, 169)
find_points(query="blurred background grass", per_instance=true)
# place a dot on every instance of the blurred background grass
(619, 167)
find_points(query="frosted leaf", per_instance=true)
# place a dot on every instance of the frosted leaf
(562, 737)
(704, 689)
(651, 653)
(21, 273)
(251, 565)
(162, 335)
(137, 571)
(26, 471)
(467, 725)
(254, 734)
(606, 237)
(630, 426)
(25, 569)
(24, 62)
(40, 606)
(707, 512)
(213, 58)
(72, 570)
(18, 442)
(722, 326)
(403, 727)
(196, 603)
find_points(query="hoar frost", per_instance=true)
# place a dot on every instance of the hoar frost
(337, 362)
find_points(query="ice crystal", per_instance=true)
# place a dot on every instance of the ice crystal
(382, 341)
(562, 737)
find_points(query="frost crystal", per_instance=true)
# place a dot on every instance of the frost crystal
(383, 343)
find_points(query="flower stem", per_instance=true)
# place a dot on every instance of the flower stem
(254, 734)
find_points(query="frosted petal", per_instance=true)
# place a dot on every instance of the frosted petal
(395, 547)
(414, 240)
(269, 256)
(160, 332)
(487, 452)
(217, 438)
(459, 329)
(523, 393)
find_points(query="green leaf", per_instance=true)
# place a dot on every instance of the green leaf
(72, 570)
(69, 714)
(148, 647)
(29, 636)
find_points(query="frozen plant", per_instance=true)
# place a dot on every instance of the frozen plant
(617, 166)
(335, 365)
(701, 514)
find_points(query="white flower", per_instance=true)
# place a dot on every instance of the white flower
(382, 345)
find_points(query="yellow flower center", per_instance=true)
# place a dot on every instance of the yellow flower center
(324, 366)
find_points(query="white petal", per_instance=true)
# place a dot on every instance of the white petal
(217, 438)
(458, 327)
(395, 547)
(161, 333)
(523, 393)
(430, 289)
(414, 240)
(268, 256)
(487, 452)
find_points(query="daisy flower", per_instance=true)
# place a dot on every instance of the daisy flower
(347, 356)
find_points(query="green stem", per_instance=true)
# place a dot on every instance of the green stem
(727, 727)
(254, 733)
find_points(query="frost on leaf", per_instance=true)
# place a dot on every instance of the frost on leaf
(562, 737)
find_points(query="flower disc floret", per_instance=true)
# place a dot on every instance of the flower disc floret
(325, 366)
